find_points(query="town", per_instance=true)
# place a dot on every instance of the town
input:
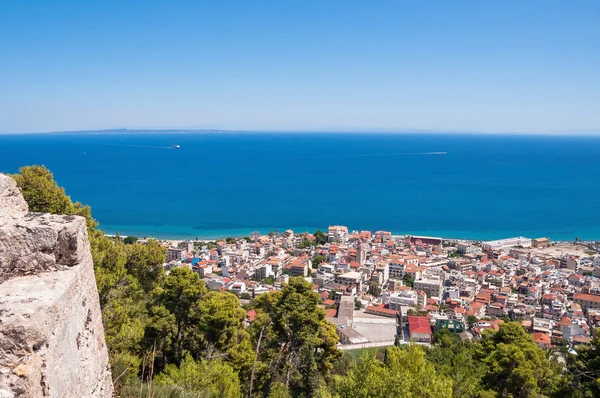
(380, 289)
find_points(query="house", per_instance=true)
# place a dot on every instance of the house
(419, 329)
(237, 288)
(542, 340)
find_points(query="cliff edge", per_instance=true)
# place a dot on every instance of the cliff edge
(51, 335)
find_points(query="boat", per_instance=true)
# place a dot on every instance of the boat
(175, 146)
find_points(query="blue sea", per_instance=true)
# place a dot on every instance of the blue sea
(229, 184)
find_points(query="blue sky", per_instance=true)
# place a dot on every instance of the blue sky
(498, 66)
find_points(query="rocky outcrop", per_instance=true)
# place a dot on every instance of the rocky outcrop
(51, 335)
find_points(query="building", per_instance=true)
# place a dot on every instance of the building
(349, 278)
(540, 243)
(428, 240)
(419, 329)
(587, 301)
(361, 253)
(495, 245)
(467, 248)
(264, 271)
(237, 288)
(176, 254)
(401, 298)
(298, 268)
(337, 233)
(433, 286)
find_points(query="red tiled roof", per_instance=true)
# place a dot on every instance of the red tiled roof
(587, 297)
(541, 338)
(330, 313)
(419, 324)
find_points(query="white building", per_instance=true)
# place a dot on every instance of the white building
(467, 248)
(337, 233)
(505, 243)
(237, 288)
(349, 277)
(433, 286)
(401, 298)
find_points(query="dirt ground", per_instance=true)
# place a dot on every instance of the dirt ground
(561, 249)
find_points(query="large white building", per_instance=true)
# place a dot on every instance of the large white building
(337, 233)
(401, 298)
(433, 286)
(505, 243)
(349, 277)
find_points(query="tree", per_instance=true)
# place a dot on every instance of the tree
(212, 379)
(305, 244)
(374, 288)
(455, 360)
(145, 262)
(297, 322)
(182, 288)
(358, 305)
(220, 321)
(321, 237)
(404, 373)
(130, 240)
(318, 260)
(409, 279)
(43, 195)
(515, 365)
(584, 368)
(471, 320)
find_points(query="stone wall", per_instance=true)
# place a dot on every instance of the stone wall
(51, 335)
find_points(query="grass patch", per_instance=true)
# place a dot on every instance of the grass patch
(359, 352)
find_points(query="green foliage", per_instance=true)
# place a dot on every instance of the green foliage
(318, 260)
(455, 360)
(584, 368)
(471, 320)
(515, 365)
(409, 280)
(212, 379)
(374, 288)
(405, 373)
(321, 237)
(305, 244)
(296, 331)
(130, 240)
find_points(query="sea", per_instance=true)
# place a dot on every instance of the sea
(220, 184)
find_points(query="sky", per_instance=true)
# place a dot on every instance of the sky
(489, 66)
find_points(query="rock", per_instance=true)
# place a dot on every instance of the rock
(11, 201)
(51, 334)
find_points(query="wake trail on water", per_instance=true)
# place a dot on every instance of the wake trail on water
(137, 146)
(363, 155)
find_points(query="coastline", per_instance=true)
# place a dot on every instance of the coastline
(242, 232)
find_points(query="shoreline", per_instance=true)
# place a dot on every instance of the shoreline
(199, 238)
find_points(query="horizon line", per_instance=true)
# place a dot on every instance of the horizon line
(373, 130)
